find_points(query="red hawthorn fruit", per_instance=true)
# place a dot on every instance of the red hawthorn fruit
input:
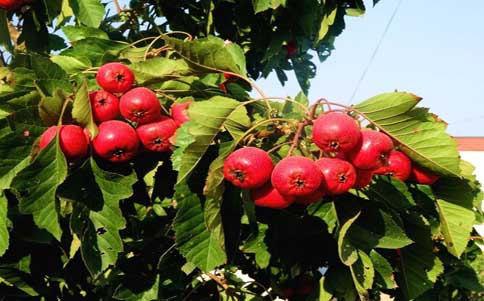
(336, 132)
(140, 105)
(179, 112)
(11, 5)
(296, 176)
(72, 140)
(305, 285)
(339, 176)
(268, 196)
(115, 77)
(116, 141)
(248, 167)
(291, 49)
(155, 136)
(104, 105)
(423, 177)
(399, 166)
(363, 178)
(314, 197)
(372, 151)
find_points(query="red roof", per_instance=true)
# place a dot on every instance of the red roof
(470, 143)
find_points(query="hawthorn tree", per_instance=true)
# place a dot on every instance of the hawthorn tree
(85, 216)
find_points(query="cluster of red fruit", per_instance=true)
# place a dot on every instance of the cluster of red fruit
(352, 157)
(117, 140)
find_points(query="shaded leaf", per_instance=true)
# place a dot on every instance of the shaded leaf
(76, 33)
(257, 246)
(124, 293)
(347, 252)
(71, 64)
(198, 245)
(383, 269)
(363, 273)
(326, 212)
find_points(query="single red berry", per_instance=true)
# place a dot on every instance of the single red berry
(372, 151)
(223, 88)
(339, 176)
(140, 105)
(268, 196)
(116, 141)
(296, 176)
(336, 132)
(179, 112)
(363, 178)
(291, 49)
(248, 167)
(423, 177)
(399, 166)
(314, 197)
(155, 136)
(115, 77)
(72, 141)
(104, 105)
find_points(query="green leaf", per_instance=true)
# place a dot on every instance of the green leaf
(4, 33)
(455, 205)
(124, 293)
(347, 252)
(377, 229)
(363, 273)
(391, 192)
(263, 5)
(3, 224)
(89, 12)
(76, 33)
(36, 187)
(257, 246)
(463, 276)
(211, 54)
(194, 241)
(383, 269)
(159, 69)
(15, 278)
(71, 64)
(418, 133)
(326, 212)
(419, 270)
(81, 110)
(207, 118)
(45, 68)
(326, 23)
(324, 295)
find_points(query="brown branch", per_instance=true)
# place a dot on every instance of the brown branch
(118, 7)
(295, 140)
(218, 280)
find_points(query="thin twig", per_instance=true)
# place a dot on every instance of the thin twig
(218, 280)
(295, 140)
(118, 8)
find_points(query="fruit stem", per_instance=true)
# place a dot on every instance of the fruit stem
(63, 110)
(255, 86)
(295, 140)
(278, 146)
(303, 107)
(218, 280)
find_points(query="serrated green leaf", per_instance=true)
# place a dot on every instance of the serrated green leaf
(124, 293)
(71, 64)
(194, 241)
(81, 110)
(377, 229)
(36, 187)
(363, 273)
(65, 14)
(45, 68)
(391, 192)
(257, 246)
(418, 133)
(384, 271)
(324, 294)
(211, 54)
(89, 12)
(3, 224)
(159, 69)
(207, 118)
(347, 252)
(76, 33)
(326, 212)
(455, 202)
(464, 276)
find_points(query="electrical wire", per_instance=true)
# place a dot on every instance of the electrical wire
(375, 51)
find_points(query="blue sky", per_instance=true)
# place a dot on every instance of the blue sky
(434, 49)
